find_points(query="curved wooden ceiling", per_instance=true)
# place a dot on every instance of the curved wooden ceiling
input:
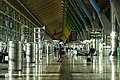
(51, 13)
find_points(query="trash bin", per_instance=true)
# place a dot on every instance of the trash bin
(118, 52)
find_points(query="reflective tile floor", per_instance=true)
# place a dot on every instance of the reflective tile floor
(71, 68)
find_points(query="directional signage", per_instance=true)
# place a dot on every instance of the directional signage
(95, 34)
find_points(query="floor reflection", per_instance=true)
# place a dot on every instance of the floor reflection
(102, 68)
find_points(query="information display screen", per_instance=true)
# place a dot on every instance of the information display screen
(73, 36)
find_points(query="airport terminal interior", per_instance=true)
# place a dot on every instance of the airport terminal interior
(59, 40)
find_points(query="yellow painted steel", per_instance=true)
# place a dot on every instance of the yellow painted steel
(66, 33)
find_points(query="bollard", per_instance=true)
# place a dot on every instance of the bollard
(11, 56)
(118, 53)
(36, 59)
(30, 60)
(28, 53)
(33, 52)
(40, 50)
(47, 52)
(1, 46)
(14, 56)
(19, 60)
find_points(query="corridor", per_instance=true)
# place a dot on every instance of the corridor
(33, 32)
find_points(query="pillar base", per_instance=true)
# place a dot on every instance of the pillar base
(113, 53)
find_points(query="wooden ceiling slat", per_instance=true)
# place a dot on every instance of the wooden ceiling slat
(44, 4)
(48, 19)
(48, 12)
(38, 2)
(59, 14)
(47, 9)
(31, 1)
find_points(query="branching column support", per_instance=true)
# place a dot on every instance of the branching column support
(103, 19)
(114, 33)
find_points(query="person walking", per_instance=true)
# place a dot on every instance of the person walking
(61, 51)
(91, 53)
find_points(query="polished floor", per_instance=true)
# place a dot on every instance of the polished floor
(71, 68)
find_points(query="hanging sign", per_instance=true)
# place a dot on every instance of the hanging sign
(73, 36)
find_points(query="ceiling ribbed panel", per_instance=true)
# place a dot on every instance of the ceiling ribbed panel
(50, 12)
(77, 15)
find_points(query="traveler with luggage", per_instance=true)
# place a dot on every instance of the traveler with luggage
(91, 53)
(61, 51)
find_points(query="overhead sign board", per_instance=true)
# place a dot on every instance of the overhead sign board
(95, 34)
(73, 36)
